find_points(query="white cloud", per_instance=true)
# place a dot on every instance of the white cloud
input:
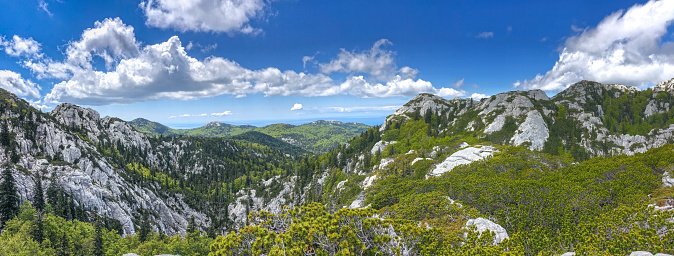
(204, 15)
(509, 28)
(21, 47)
(111, 40)
(376, 62)
(43, 6)
(486, 34)
(478, 96)
(407, 72)
(208, 47)
(138, 72)
(297, 106)
(225, 113)
(38, 104)
(450, 93)
(458, 84)
(307, 59)
(14, 83)
(625, 48)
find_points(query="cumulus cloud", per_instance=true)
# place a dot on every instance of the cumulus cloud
(111, 40)
(626, 47)
(227, 16)
(450, 93)
(14, 83)
(478, 96)
(376, 62)
(297, 106)
(136, 72)
(486, 34)
(21, 47)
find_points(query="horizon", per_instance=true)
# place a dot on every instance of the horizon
(298, 61)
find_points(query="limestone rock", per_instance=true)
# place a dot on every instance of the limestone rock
(380, 146)
(533, 130)
(464, 156)
(482, 225)
(667, 179)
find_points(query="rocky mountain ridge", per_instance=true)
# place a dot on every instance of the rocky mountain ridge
(533, 113)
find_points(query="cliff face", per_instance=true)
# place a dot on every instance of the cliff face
(62, 148)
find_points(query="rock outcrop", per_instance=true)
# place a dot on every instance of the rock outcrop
(463, 156)
(482, 225)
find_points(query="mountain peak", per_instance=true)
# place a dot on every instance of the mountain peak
(214, 124)
(665, 86)
(75, 116)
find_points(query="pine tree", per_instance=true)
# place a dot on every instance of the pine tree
(38, 197)
(191, 226)
(4, 134)
(98, 240)
(9, 200)
(144, 230)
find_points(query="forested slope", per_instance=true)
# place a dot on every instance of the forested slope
(318, 136)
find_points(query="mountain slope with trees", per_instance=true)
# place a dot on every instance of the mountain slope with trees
(318, 136)
(516, 173)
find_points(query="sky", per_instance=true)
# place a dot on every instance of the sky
(188, 62)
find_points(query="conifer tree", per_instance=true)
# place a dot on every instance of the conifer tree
(191, 225)
(144, 227)
(4, 134)
(9, 200)
(98, 240)
(38, 197)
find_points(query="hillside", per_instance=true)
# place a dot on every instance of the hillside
(587, 171)
(93, 167)
(318, 136)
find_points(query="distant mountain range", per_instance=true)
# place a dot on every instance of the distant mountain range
(318, 136)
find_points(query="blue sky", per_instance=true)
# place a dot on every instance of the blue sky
(185, 63)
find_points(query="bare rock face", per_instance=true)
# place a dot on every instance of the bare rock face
(533, 130)
(91, 179)
(482, 225)
(380, 146)
(464, 156)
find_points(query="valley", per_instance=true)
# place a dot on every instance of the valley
(589, 170)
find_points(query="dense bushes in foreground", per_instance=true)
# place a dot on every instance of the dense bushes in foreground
(548, 204)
